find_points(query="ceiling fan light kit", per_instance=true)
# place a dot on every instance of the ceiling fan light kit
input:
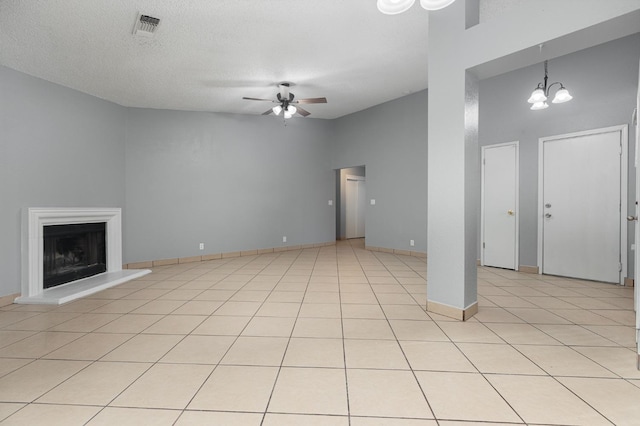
(285, 100)
(394, 7)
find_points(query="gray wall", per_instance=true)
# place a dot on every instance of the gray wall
(391, 141)
(240, 182)
(341, 198)
(603, 81)
(234, 182)
(58, 148)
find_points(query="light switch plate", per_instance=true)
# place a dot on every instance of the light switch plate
(330, 202)
(373, 202)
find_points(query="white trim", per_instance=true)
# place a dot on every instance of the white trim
(33, 222)
(516, 144)
(624, 199)
(624, 177)
(636, 233)
(540, 201)
(352, 177)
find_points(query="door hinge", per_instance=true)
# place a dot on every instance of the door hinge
(619, 267)
(482, 245)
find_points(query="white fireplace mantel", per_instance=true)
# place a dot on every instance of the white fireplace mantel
(33, 222)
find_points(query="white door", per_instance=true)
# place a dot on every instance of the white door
(581, 205)
(499, 211)
(355, 206)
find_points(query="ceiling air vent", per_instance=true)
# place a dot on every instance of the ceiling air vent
(146, 25)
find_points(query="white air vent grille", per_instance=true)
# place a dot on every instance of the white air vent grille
(146, 25)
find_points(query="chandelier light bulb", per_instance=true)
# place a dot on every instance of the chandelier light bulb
(291, 109)
(276, 109)
(393, 7)
(435, 4)
(537, 96)
(562, 96)
(539, 105)
(287, 114)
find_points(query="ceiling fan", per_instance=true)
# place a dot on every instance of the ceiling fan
(286, 103)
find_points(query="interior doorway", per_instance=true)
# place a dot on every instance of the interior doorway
(350, 202)
(499, 205)
(355, 206)
(582, 205)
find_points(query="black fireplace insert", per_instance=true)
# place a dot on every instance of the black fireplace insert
(73, 252)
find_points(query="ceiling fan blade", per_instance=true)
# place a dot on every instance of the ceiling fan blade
(258, 99)
(312, 101)
(267, 112)
(303, 112)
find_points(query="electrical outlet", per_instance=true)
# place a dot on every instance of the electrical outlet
(201, 246)
(330, 202)
(412, 243)
(284, 239)
(373, 202)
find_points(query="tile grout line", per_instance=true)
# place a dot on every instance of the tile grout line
(385, 261)
(413, 373)
(284, 354)
(344, 349)
(249, 260)
(152, 364)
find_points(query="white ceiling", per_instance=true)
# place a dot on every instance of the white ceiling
(208, 54)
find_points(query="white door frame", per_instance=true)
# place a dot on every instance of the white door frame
(516, 144)
(348, 178)
(636, 253)
(624, 139)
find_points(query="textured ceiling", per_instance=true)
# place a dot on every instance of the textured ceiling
(208, 54)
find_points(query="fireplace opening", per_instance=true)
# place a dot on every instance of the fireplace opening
(73, 252)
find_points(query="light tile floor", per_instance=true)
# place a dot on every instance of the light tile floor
(328, 336)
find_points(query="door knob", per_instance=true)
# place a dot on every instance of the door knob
(632, 218)
(510, 212)
(547, 215)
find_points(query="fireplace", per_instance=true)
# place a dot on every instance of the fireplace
(68, 253)
(73, 252)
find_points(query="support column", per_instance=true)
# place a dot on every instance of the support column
(453, 170)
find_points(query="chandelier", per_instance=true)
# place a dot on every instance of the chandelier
(540, 95)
